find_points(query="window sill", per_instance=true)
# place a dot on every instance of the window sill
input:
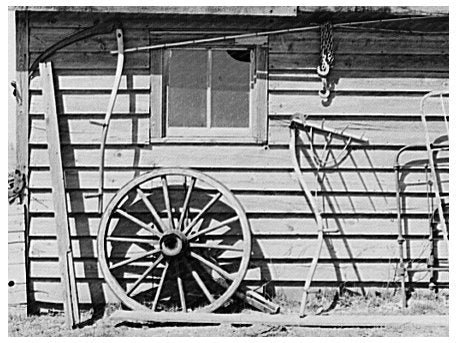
(229, 140)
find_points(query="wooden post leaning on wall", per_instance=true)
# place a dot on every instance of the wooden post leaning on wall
(18, 214)
(66, 266)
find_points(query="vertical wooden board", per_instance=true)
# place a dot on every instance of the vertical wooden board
(65, 254)
(22, 81)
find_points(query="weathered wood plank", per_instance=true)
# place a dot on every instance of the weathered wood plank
(292, 248)
(41, 38)
(47, 291)
(282, 82)
(95, 82)
(17, 278)
(387, 132)
(16, 222)
(161, 21)
(222, 157)
(89, 291)
(342, 321)
(311, 103)
(66, 267)
(16, 274)
(362, 42)
(296, 272)
(362, 62)
(22, 96)
(240, 180)
(173, 10)
(94, 103)
(17, 225)
(17, 295)
(288, 225)
(94, 60)
(81, 130)
(335, 203)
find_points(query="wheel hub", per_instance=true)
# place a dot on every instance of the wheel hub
(173, 243)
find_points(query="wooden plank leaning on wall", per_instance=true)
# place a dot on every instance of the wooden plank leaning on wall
(17, 213)
(67, 272)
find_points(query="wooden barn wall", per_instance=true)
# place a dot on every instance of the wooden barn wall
(378, 80)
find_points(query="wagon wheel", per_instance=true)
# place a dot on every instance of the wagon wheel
(174, 240)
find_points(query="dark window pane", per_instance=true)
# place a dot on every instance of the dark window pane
(187, 88)
(229, 91)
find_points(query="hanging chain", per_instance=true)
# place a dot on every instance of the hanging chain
(327, 54)
(326, 59)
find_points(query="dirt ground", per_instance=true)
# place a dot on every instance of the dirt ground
(53, 326)
(52, 323)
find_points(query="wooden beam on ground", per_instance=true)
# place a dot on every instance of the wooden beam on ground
(66, 266)
(278, 319)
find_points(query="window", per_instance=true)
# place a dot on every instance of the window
(209, 94)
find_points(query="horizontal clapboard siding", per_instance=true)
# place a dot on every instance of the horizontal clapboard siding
(377, 84)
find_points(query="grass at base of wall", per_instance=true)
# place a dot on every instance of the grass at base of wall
(326, 301)
(346, 301)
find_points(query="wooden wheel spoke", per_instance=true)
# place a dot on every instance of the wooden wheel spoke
(159, 288)
(215, 246)
(138, 222)
(202, 212)
(185, 205)
(166, 197)
(200, 282)
(213, 228)
(131, 240)
(134, 258)
(212, 265)
(151, 209)
(171, 241)
(179, 282)
(143, 276)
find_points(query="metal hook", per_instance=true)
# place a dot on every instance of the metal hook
(323, 69)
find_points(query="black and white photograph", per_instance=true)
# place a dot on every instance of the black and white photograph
(229, 171)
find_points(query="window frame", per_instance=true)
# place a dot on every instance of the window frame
(256, 132)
